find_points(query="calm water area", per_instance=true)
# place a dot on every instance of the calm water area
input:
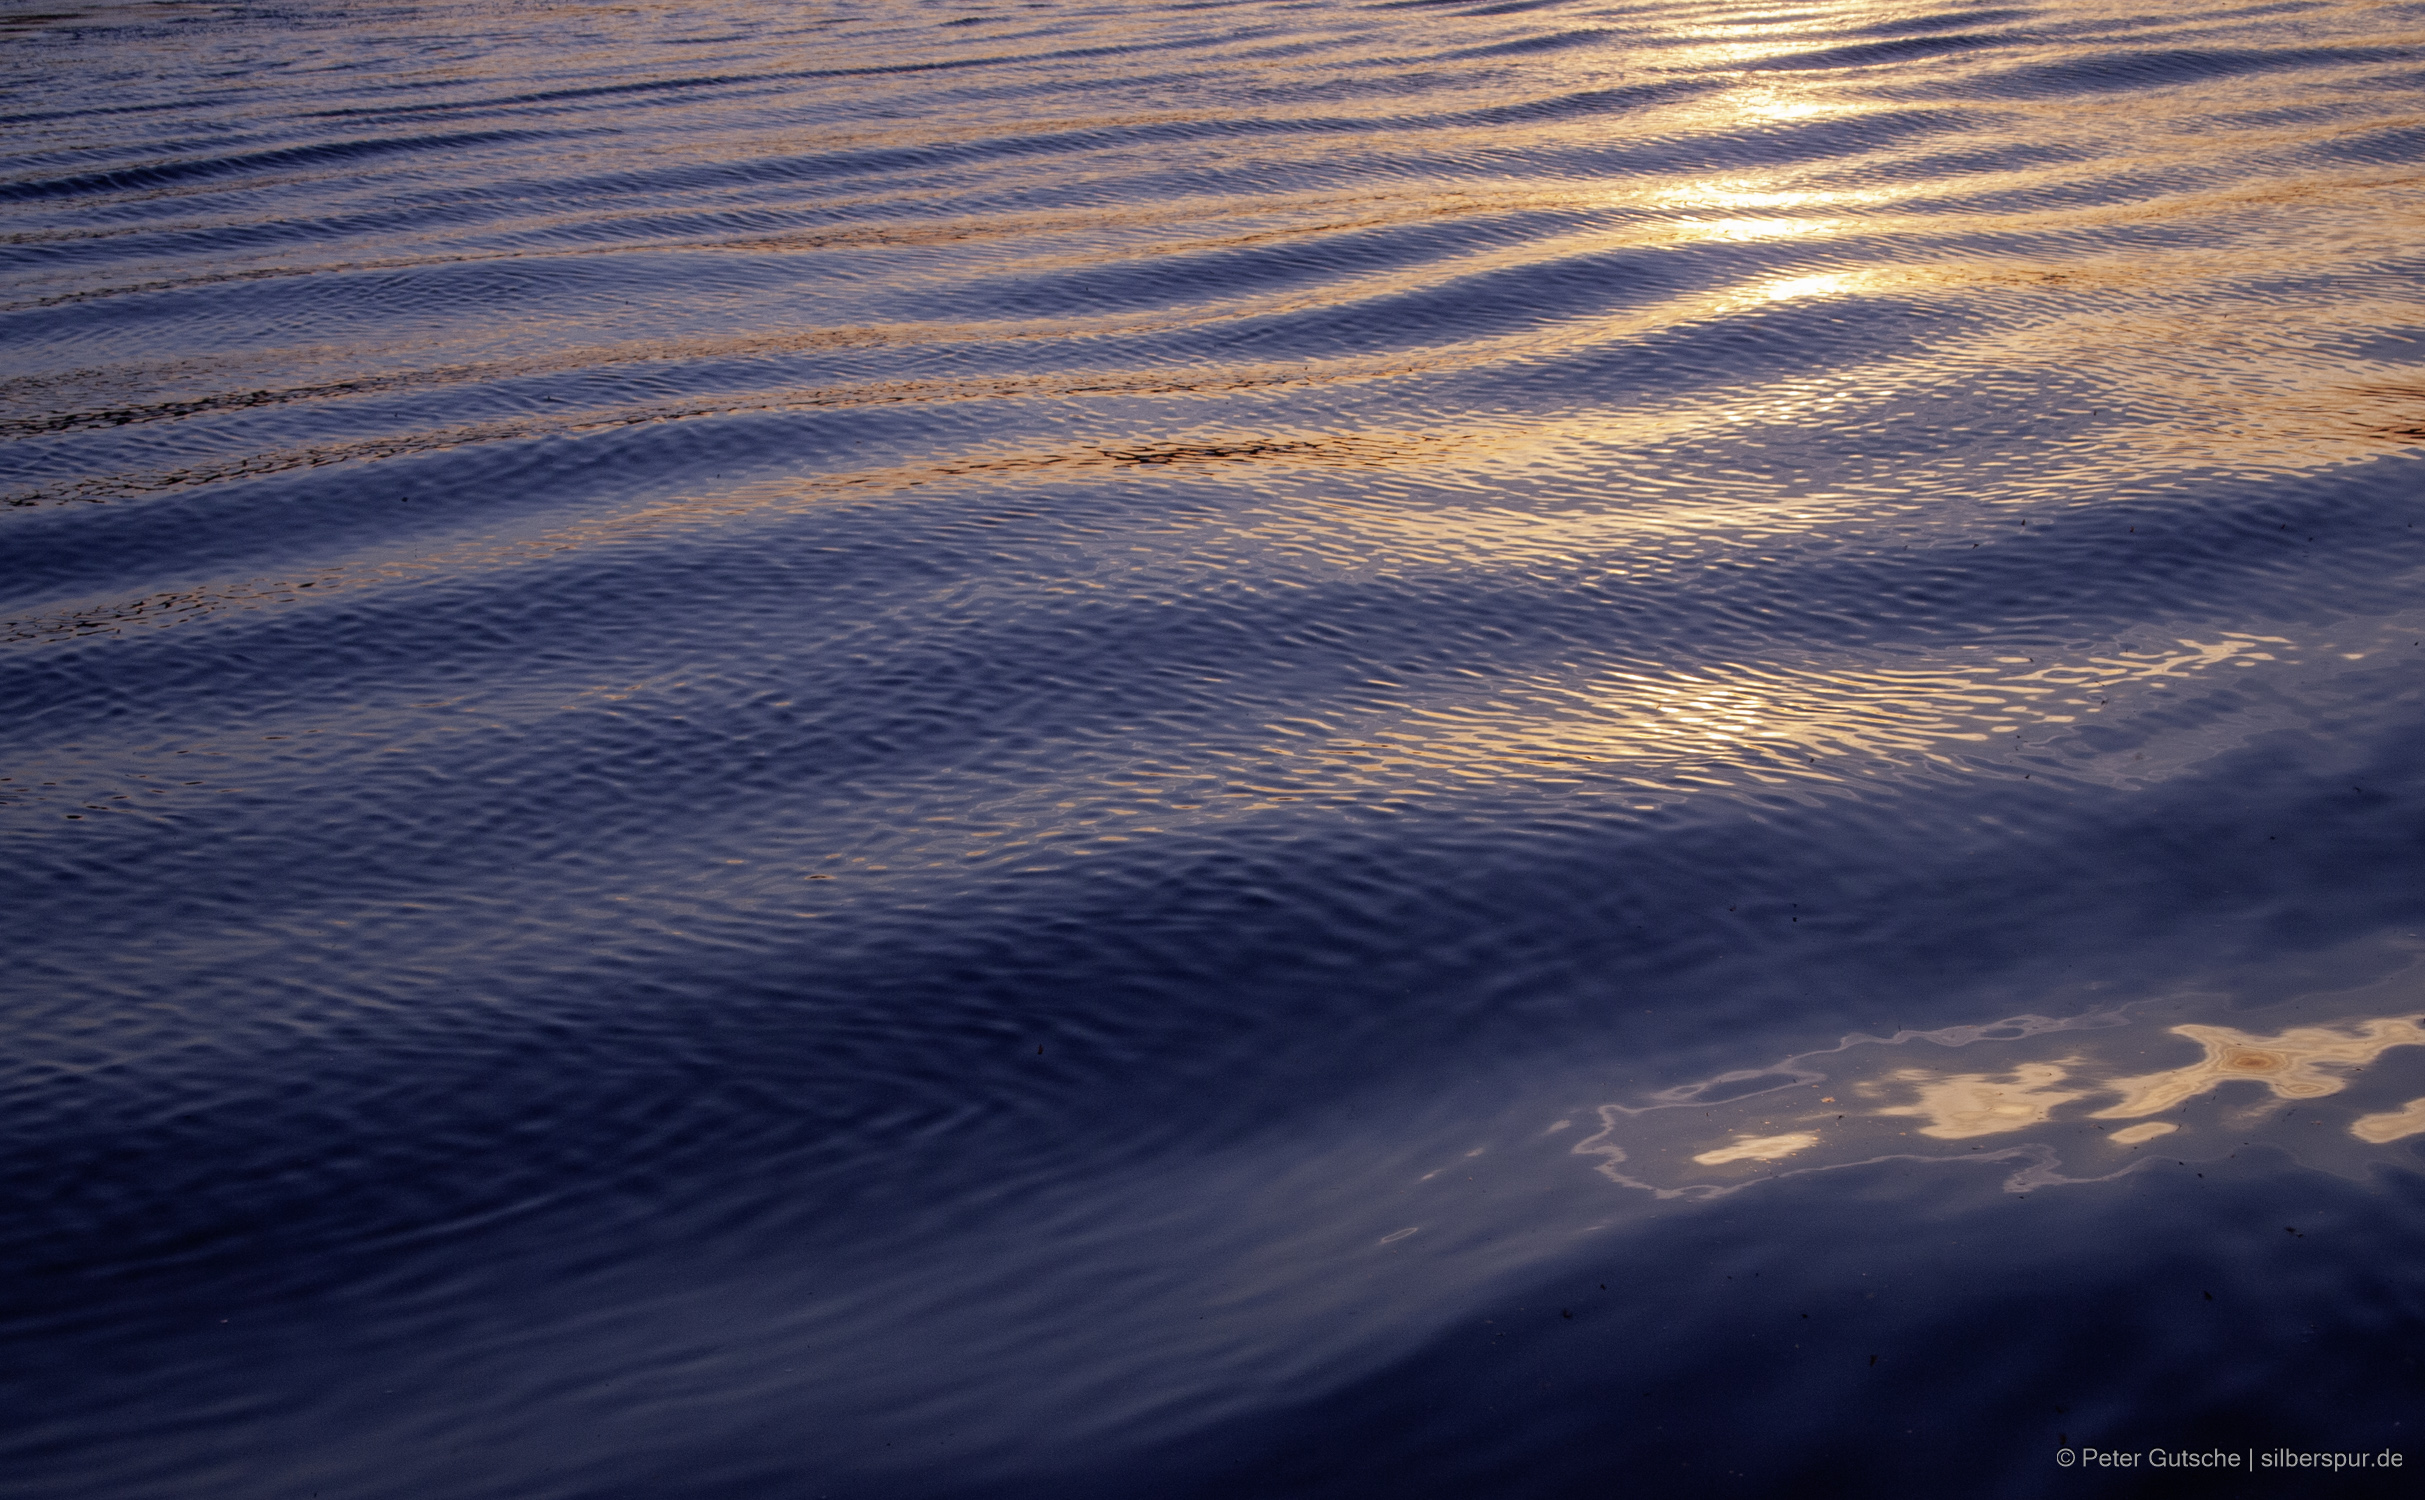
(1296, 748)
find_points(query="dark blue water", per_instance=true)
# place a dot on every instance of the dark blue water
(1269, 749)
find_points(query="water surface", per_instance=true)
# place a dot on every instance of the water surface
(957, 749)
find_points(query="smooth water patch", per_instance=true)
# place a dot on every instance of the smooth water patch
(2035, 1093)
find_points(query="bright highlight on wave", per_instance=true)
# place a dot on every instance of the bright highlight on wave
(2039, 1106)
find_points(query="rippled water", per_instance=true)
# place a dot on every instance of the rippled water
(1266, 749)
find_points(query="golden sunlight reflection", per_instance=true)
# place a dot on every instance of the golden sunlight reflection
(1782, 721)
(2037, 1110)
(1759, 1148)
(2290, 1064)
(2136, 1135)
(1971, 1104)
(1747, 230)
(1827, 284)
(2392, 1125)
